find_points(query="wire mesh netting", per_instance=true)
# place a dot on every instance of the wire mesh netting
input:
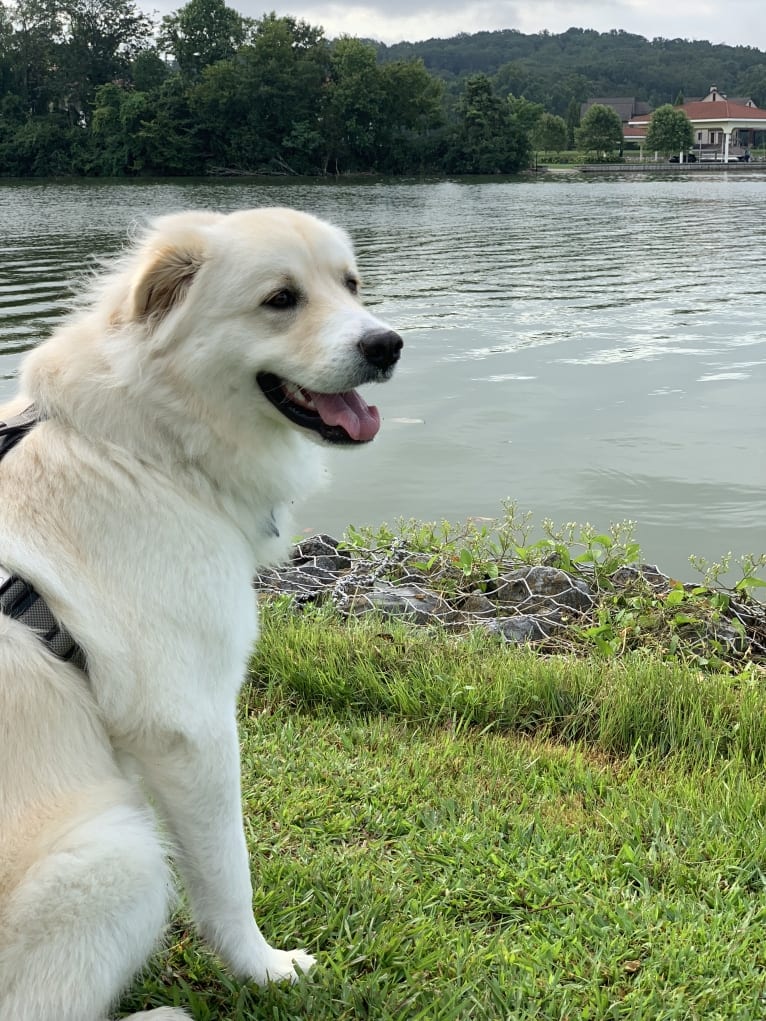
(538, 603)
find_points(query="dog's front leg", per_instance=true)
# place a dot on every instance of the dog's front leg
(197, 787)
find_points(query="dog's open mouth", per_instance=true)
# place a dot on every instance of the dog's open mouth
(337, 418)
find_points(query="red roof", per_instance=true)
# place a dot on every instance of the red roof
(722, 109)
(717, 110)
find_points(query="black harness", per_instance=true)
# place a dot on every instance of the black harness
(18, 599)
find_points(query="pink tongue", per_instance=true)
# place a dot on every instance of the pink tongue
(350, 412)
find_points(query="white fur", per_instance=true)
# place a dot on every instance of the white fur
(140, 508)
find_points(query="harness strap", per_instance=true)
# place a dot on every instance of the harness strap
(16, 428)
(18, 599)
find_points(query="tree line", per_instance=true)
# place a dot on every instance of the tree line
(551, 69)
(96, 87)
(93, 87)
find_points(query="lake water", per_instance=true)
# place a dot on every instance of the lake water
(592, 349)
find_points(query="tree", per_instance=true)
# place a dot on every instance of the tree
(274, 95)
(289, 65)
(99, 39)
(115, 128)
(410, 114)
(225, 105)
(201, 33)
(562, 89)
(36, 33)
(169, 134)
(351, 108)
(42, 147)
(6, 52)
(600, 131)
(66, 49)
(148, 70)
(550, 133)
(261, 109)
(670, 131)
(525, 113)
(553, 69)
(752, 83)
(487, 139)
(516, 78)
(572, 122)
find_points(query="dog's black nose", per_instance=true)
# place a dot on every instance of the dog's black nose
(381, 348)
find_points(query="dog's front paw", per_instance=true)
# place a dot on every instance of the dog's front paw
(283, 965)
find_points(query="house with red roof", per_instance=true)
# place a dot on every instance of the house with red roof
(626, 107)
(722, 127)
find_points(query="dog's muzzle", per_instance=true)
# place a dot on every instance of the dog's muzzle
(338, 417)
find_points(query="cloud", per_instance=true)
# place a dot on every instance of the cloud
(400, 19)
(737, 22)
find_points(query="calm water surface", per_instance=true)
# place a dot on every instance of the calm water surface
(594, 350)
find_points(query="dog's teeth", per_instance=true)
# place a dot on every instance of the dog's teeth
(299, 395)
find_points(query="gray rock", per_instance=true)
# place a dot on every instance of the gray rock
(321, 550)
(730, 636)
(477, 605)
(410, 602)
(535, 590)
(625, 577)
(523, 627)
(303, 583)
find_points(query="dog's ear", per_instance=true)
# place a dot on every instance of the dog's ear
(165, 281)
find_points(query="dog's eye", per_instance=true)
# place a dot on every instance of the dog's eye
(282, 299)
(352, 284)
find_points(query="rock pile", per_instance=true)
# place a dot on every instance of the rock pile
(520, 602)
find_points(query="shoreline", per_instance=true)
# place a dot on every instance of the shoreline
(547, 601)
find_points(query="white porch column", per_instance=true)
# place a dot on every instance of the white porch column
(726, 137)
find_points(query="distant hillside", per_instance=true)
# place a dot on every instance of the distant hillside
(578, 63)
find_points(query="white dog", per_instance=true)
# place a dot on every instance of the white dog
(176, 412)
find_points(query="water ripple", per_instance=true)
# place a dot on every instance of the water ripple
(620, 327)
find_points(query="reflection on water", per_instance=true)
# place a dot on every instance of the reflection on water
(593, 350)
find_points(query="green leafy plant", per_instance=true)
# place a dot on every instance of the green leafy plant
(711, 625)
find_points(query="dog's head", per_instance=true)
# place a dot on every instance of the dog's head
(261, 310)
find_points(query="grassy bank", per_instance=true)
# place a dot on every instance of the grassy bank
(459, 829)
(637, 704)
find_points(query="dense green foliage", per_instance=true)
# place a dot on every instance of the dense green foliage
(97, 87)
(582, 63)
(490, 137)
(670, 131)
(714, 625)
(550, 132)
(600, 131)
(86, 91)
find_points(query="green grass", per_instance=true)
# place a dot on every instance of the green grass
(635, 704)
(458, 829)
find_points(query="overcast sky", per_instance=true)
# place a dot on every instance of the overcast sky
(735, 22)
